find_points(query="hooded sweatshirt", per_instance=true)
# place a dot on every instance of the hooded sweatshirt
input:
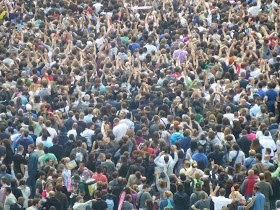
(25, 190)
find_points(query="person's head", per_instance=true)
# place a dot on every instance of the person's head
(258, 157)
(76, 178)
(168, 194)
(180, 187)
(21, 200)
(42, 174)
(146, 188)
(149, 204)
(30, 148)
(166, 158)
(4, 180)
(7, 191)
(36, 203)
(261, 176)
(256, 188)
(97, 194)
(252, 152)
(242, 201)
(222, 192)
(128, 198)
(203, 195)
(277, 204)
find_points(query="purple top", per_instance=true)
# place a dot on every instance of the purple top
(134, 195)
(182, 56)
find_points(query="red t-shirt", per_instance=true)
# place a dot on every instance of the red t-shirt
(99, 177)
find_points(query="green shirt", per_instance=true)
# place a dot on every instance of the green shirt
(125, 39)
(207, 66)
(49, 155)
(26, 81)
(38, 128)
(198, 118)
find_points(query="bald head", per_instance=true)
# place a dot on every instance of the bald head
(51, 194)
(251, 172)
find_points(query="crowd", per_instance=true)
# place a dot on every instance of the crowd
(121, 105)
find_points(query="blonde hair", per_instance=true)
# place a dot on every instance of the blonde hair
(40, 146)
(227, 131)
(168, 194)
(84, 145)
(212, 118)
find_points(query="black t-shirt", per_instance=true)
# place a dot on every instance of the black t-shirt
(2, 151)
(18, 159)
(4, 136)
(58, 151)
(99, 205)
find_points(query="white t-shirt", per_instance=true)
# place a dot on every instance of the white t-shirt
(120, 130)
(74, 132)
(239, 158)
(150, 48)
(220, 201)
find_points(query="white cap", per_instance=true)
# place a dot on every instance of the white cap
(28, 107)
(89, 43)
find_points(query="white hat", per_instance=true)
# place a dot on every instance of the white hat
(89, 43)
(28, 107)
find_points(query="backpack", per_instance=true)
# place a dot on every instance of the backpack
(69, 145)
(79, 156)
(169, 204)
(110, 202)
(90, 187)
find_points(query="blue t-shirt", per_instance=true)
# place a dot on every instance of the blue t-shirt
(259, 202)
(134, 46)
(271, 95)
(201, 156)
(25, 142)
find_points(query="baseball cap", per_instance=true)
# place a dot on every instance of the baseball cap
(76, 176)
(28, 107)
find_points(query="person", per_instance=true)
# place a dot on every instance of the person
(260, 198)
(81, 205)
(3, 170)
(77, 188)
(143, 196)
(52, 201)
(180, 198)
(221, 200)
(19, 161)
(119, 129)
(59, 195)
(18, 205)
(99, 176)
(166, 163)
(167, 201)
(24, 141)
(127, 205)
(10, 198)
(277, 204)
(39, 184)
(247, 185)
(32, 164)
(35, 204)
(266, 190)
(200, 156)
(25, 190)
(98, 203)
(203, 203)
(250, 161)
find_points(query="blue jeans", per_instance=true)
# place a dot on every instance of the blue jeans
(31, 181)
(265, 56)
